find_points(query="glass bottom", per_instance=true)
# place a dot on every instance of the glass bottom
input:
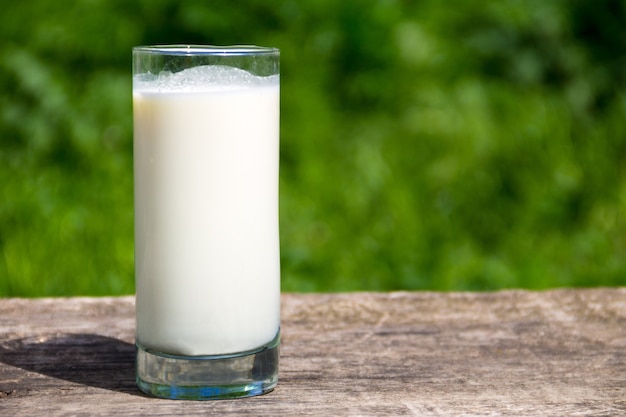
(244, 374)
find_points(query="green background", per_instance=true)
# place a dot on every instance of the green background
(424, 144)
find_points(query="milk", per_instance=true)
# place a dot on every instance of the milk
(206, 210)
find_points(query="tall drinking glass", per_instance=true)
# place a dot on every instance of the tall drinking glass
(207, 269)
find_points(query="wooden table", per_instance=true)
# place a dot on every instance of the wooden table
(557, 353)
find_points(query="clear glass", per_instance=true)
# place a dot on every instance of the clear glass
(207, 260)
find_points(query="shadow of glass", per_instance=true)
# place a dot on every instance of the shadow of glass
(88, 359)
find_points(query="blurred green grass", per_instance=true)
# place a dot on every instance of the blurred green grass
(424, 145)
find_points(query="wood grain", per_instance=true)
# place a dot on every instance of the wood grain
(560, 352)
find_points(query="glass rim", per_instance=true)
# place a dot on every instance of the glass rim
(208, 50)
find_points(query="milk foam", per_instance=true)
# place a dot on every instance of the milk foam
(201, 79)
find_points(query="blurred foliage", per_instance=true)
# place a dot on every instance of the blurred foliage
(424, 145)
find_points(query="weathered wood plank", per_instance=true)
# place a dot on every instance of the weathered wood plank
(559, 352)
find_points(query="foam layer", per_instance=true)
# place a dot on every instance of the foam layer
(200, 79)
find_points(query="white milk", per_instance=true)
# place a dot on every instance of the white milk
(206, 211)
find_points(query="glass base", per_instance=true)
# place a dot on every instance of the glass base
(243, 374)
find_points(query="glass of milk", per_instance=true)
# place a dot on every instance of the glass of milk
(207, 269)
